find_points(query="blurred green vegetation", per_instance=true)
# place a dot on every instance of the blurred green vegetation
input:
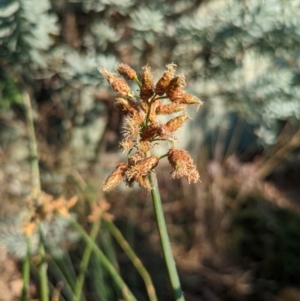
(235, 235)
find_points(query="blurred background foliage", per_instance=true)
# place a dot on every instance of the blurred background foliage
(234, 235)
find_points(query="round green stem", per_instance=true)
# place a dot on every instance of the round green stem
(127, 294)
(84, 262)
(26, 271)
(164, 239)
(36, 190)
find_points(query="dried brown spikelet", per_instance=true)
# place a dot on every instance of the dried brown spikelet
(147, 88)
(169, 108)
(127, 106)
(118, 84)
(164, 81)
(153, 130)
(177, 82)
(144, 182)
(183, 165)
(184, 98)
(141, 168)
(115, 177)
(126, 71)
(145, 105)
(154, 105)
(138, 156)
(176, 123)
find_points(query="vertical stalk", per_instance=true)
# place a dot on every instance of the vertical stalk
(84, 262)
(26, 271)
(164, 239)
(36, 190)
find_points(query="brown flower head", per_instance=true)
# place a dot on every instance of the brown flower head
(118, 84)
(115, 177)
(147, 88)
(183, 165)
(126, 71)
(153, 130)
(164, 81)
(127, 106)
(176, 123)
(141, 168)
(169, 108)
(144, 182)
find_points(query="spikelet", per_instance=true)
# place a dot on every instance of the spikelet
(147, 88)
(176, 123)
(118, 84)
(153, 130)
(169, 108)
(183, 165)
(127, 106)
(144, 182)
(141, 168)
(126, 71)
(115, 177)
(164, 81)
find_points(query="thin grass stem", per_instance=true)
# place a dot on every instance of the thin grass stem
(36, 190)
(164, 239)
(26, 271)
(85, 261)
(133, 258)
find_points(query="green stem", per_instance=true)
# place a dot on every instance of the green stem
(84, 262)
(134, 259)
(36, 190)
(164, 239)
(34, 163)
(44, 289)
(26, 271)
(127, 294)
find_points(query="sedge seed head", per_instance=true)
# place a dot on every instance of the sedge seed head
(169, 108)
(147, 88)
(118, 84)
(176, 123)
(164, 81)
(115, 177)
(144, 182)
(183, 165)
(153, 130)
(126, 71)
(141, 168)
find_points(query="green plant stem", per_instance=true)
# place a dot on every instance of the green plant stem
(127, 294)
(164, 239)
(84, 262)
(26, 271)
(34, 163)
(44, 289)
(36, 190)
(134, 259)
